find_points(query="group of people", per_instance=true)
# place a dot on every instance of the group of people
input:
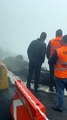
(56, 52)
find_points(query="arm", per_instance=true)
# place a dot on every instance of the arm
(48, 50)
(29, 50)
(53, 59)
(43, 53)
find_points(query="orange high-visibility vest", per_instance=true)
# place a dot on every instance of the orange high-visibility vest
(60, 69)
(55, 43)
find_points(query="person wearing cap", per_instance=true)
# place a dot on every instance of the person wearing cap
(59, 61)
(52, 46)
(36, 55)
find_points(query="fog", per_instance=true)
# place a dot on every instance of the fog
(22, 21)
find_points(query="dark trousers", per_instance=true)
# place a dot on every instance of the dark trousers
(52, 81)
(61, 83)
(33, 68)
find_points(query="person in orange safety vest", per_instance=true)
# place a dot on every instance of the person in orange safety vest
(52, 46)
(59, 61)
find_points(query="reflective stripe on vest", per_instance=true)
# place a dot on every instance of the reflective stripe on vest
(63, 66)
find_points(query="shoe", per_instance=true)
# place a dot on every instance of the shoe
(57, 109)
(28, 87)
(35, 90)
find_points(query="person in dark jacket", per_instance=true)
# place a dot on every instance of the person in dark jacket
(52, 46)
(36, 55)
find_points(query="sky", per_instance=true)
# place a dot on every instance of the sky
(22, 21)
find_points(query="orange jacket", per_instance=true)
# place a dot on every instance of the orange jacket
(55, 43)
(60, 69)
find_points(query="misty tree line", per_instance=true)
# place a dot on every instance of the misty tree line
(17, 65)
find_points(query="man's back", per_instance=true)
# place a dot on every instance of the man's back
(36, 51)
(53, 45)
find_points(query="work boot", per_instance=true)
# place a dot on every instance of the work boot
(28, 86)
(51, 89)
(57, 109)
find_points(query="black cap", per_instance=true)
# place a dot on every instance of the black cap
(43, 35)
(59, 32)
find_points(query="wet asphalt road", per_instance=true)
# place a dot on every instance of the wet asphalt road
(48, 99)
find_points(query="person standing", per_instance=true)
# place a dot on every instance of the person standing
(52, 46)
(59, 61)
(36, 55)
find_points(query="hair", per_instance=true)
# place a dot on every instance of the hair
(43, 36)
(64, 39)
(59, 32)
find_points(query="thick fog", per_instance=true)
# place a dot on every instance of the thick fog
(22, 21)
